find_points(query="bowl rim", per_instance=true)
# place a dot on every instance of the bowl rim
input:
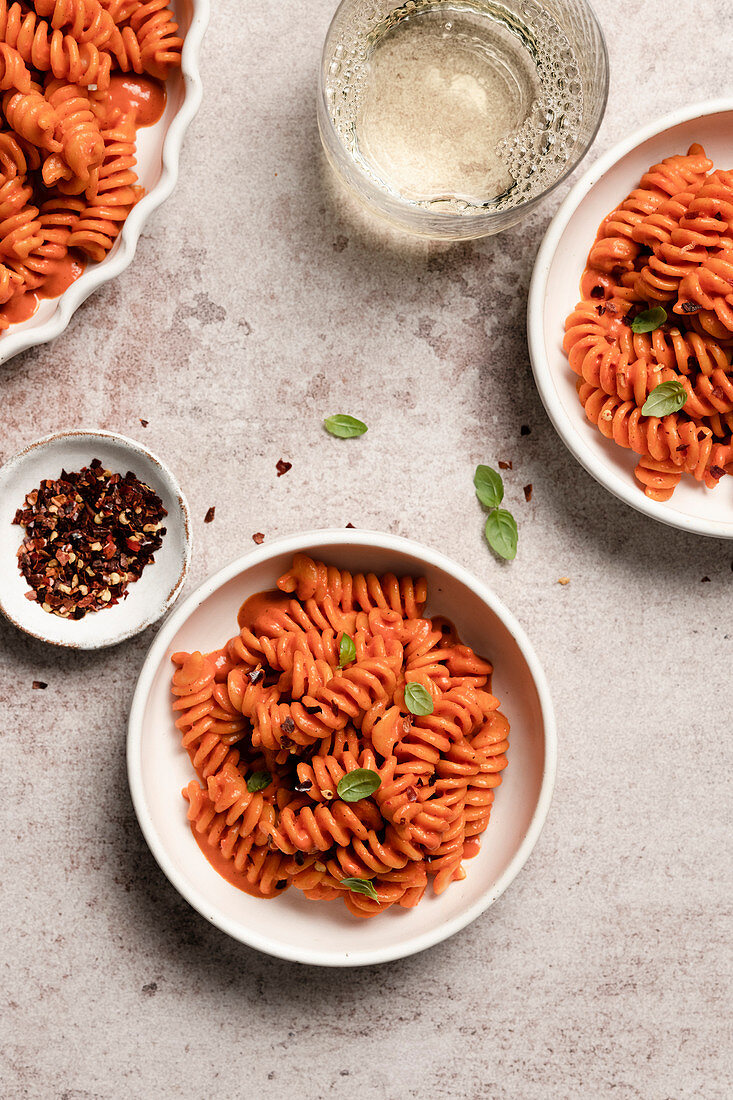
(95, 275)
(544, 376)
(292, 544)
(157, 613)
(395, 207)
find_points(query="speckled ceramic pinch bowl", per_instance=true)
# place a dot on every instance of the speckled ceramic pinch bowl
(325, 933)
(161, 581)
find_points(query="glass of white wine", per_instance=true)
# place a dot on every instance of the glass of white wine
(452, 118)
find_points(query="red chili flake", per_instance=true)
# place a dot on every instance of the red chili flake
(683, 448)
(350, 527)
(718, 393)
(611, 307)
(528, 492)
(88, 535)
(313, 710)
(300, 858)
(209, 517)
(288, 725)
(302, 786)
(411, 794)
(39, 685)
(596, 292)
(258, 537)
(281, 884)
(600, 310)
(690, 307)
(717, 472)
(525, 430)
(256, 675)
(406, 725)
(282, 467)
(506, 466)
(705, 580)
(143, 422)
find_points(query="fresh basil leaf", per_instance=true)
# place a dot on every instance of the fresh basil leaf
(666, 398)
(418, 699)
(258, 781)
(347, 650)
(343, 426)
(489, 486)
(501, 533)
(358, 784)
(649, 320)
(361, 886)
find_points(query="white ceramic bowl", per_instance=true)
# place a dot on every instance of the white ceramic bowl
(324, 933)
(554, 293)
(158, 152)
(161, 581)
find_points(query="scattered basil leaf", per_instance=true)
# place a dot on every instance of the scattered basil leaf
(343, 426)
(649, 320)
(358, 784)
(418, 699)
(666, 398)
(258, 781)
(489, 486)
(501, 533)
(361, 886)
(347, 650)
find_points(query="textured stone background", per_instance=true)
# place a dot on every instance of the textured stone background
(258, 303)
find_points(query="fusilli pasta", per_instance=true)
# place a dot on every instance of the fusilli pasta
(669, 244)
(277, 720)
(69, 117)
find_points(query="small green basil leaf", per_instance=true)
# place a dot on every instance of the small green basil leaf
(347, 650)
(361, 886)
(418, 700)
(258, 781)
(666, 398)
(358, 784)
(489, 486)
(501, 533)
(343, 426)
(649, 320)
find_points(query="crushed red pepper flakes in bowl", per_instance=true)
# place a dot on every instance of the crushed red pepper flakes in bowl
(88, 535)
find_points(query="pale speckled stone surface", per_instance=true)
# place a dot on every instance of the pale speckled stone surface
(257, 304)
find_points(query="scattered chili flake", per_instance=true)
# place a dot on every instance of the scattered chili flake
(563, 580)
(350, 526)
(258, 537)
(288, 725)
(717, 472)
(718, 393)
(312, 710)
(209, 517)
(88, 535)
(256, 675)
(690, 307)
(596, 292)
(600, 310)
(704, 580)
(39, 685)
(506, 466)
(411, 794)
(528, 492)
(302, 786)
(683, 448)
(406, 724)
(282, 467)
(525, 430)
(281, 884)
(611, 307)
(300, 858)
(144, 422)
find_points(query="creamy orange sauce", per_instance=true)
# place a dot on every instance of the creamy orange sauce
(141, 95)
(22, 306)
(260, 604)
(225, 868)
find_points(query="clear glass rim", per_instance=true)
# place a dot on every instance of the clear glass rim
(401, 213)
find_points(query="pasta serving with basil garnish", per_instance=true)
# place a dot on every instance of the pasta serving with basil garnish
(652, 338)
(77, 78)
(344, 743)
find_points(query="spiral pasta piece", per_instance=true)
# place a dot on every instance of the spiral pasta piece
(102, 219)
(283, 739)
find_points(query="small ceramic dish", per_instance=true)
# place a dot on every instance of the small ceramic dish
(291, 926)
(554, 293)
(158, 150)
(161, 581)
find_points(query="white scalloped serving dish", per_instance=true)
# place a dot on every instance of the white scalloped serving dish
(554, 293)
(158, 153)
